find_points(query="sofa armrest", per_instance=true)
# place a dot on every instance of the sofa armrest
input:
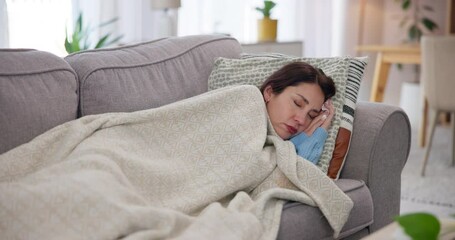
(380, 145)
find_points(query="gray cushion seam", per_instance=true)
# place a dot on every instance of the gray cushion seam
(40, 72)
(114, 49)
(9, 50)
(131, 46)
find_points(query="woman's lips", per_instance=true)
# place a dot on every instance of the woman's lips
(291, 130)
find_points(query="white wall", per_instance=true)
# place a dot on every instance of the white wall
(317, 33)
(371, 33)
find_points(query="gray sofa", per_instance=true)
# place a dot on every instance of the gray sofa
(39, 91)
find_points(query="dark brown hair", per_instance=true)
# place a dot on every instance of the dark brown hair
(295, 73)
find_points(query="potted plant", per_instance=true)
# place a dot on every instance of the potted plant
(267, 27)
(415, 21)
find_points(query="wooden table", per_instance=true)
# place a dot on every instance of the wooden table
(386, 56)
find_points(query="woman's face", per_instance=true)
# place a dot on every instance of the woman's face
(292, 110)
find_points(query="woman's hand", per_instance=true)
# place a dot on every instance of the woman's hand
(324, 119)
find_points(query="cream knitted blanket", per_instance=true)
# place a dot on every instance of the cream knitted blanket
(208, 167)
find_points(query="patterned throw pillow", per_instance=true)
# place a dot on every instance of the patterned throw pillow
(355, 73)
(254, 69)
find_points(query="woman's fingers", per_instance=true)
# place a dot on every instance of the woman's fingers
(324, 119)
(317, 122)
(330, 112)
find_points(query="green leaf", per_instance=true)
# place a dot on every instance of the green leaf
(420, 226)
(102, 41)
(267, 10)
(405, 4)
(269, 5)
(260, 9)
(78, 27)
(414, 33)
(68, 47)
(75, 42)
(429, 24)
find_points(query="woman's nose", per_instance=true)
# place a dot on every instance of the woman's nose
(300, 118)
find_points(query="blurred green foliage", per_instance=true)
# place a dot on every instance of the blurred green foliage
(80, 41)
(415, 21)
(420, 226)
(267, 9)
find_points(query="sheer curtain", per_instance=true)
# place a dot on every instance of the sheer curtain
(4, 32)
(330, 27)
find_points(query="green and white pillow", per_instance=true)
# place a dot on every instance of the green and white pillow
(253, 69)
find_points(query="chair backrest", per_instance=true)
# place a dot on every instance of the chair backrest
(438, 71)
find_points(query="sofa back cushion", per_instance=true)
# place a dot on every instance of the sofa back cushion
(38, 91)
(149, 74)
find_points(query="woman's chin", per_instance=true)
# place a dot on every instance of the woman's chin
(284, 135)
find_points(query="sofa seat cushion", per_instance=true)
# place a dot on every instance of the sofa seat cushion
(148, 75)
(38, 91)
(299, 221)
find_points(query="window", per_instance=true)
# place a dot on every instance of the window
(39, 24)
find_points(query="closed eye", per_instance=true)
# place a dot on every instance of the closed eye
(297, 104)
(313, 114)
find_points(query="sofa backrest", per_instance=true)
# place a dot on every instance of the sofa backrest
(38, 91)
(149, 74)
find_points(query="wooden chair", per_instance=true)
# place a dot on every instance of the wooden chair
(438, 82)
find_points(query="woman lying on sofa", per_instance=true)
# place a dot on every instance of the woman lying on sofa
(298, 102)
(201, 168)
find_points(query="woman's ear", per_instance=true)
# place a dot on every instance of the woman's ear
(268, 91)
